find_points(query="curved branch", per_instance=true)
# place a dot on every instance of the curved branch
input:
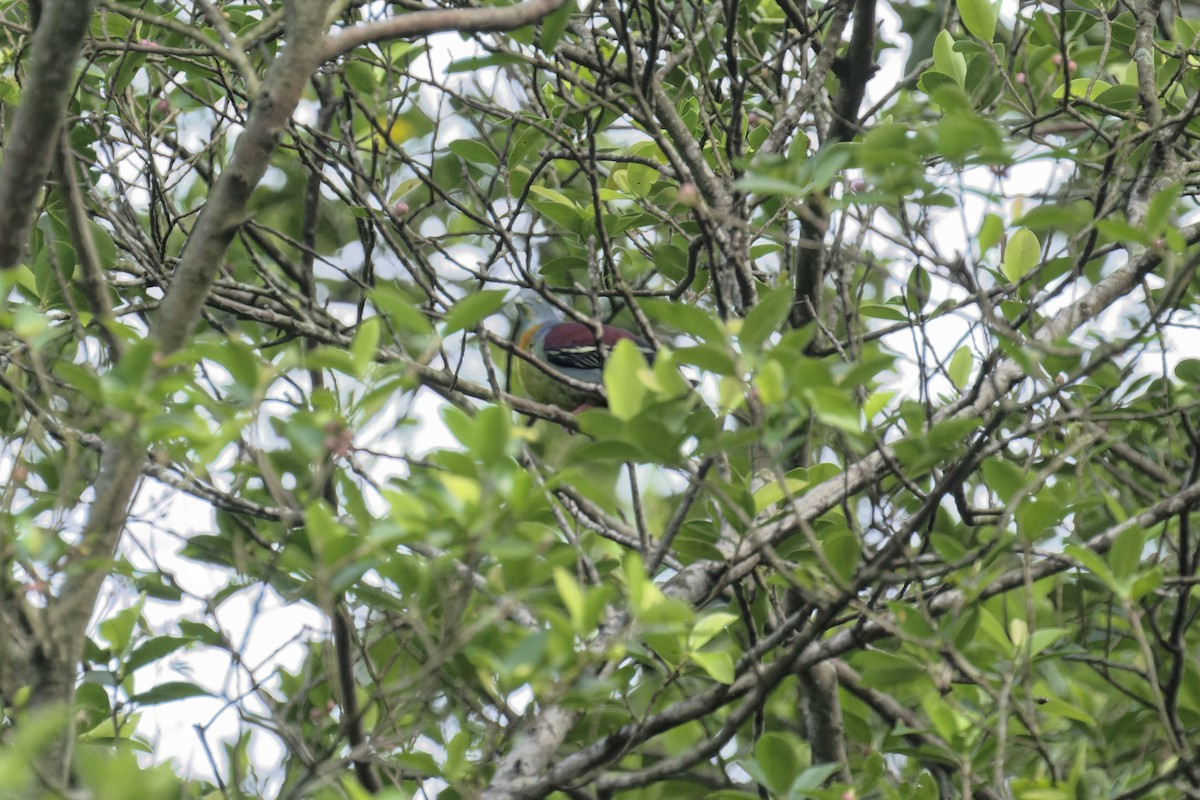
(439, 20)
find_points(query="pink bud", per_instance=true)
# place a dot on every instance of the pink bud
(162, 106)
(1020, 78)
(400, 209)
(688, 194)
(147, 43)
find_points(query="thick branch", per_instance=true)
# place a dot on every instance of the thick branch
(854, 70)
(124, 455)
(425, 23)
(33, 137)
(225, 208)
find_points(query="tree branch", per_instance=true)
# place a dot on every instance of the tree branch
(33, 137)
(425, 23)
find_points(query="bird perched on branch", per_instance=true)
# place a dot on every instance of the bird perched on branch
(575, 354)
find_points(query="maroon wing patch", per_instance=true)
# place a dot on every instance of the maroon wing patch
(572, 345)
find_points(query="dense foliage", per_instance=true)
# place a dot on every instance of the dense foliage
(901, 509)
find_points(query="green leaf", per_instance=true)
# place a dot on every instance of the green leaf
(1063, 216)
(1053, 706)
(1082, 87)
(644, 595)
(877, 402)
(401, 311)
(760, 184)
(474, 152)
(1092, 563)
(135, 363)
(1126, 553)
(1146, 582)
(1004, 478)
(776, 491)
(552, 194)
(960, 367)
(842, 549)
(472, 309)
(990, 233)
(1188, 371)
(639, 179)
(201, 633)
(361, 77)
(624, 381)
(154, 649)
(325, 533)
(777, 761)
(1119, 230)
(834, 407)
(946, 60)
(961, 133)
(809, 782)
(765, 318)
(167, 693)
(1122, 97)
(117, 630)
(684, 317)
(883, 311)
(710, 358)
(826, 164)
(887, 670)
(1021, 254)
(718, 664)
(553, 26)
(476, 63)
(566, 217)
(571, 594)
(978, 17)
(1042, 638)
(493, 432)
(709, 626)
(365, 344)
(1161, 211)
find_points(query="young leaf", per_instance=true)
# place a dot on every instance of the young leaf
(978, 17)
(960, 366)
(946, 60)
(473, 308)
(623, 381)
(474, 152)
(1021, 254)
(765, 318)
(365, 344)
